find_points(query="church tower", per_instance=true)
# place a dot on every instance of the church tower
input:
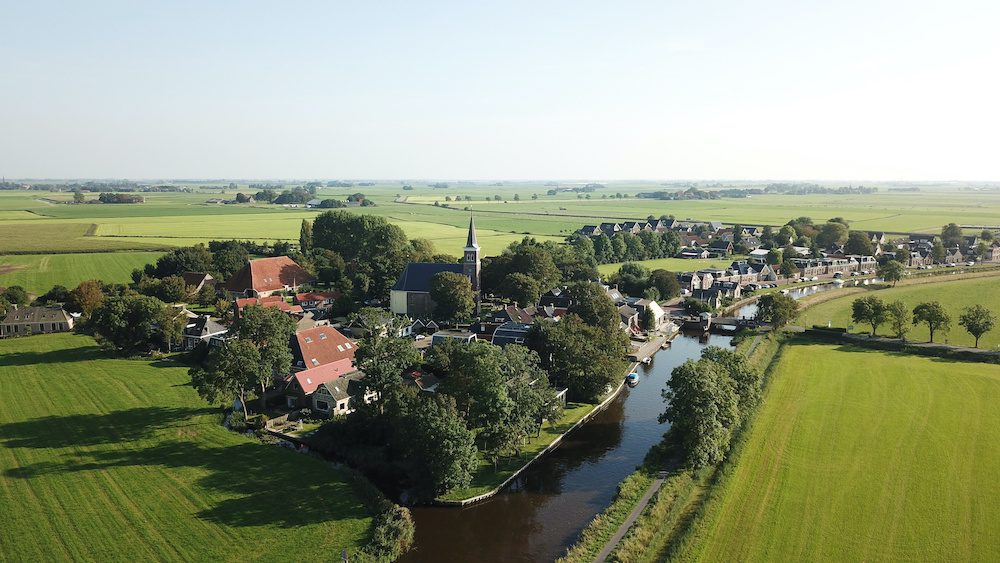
(471, 264)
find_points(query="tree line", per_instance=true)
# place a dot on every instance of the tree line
(977, 320)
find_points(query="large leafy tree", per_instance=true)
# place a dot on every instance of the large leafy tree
(438, 448)
(859, 242)
(702, 408)
(382, 355)
(195, 258)
(269, 331)
(454, 300)
(521, 288)
(370, 246)
(592, 304)
(869, 310)
(951, 234)
(15, 295)
(831, 233)
(938, 252)
(586, 359)
(86, 297)
(899, 317)
(528, 257)
(777, 309)
(231, 372)
(891, 271)
(130, 324)
(228, 257)
(934, 315)
(665, 283)
(977, 320)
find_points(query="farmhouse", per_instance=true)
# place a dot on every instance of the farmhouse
(202, 329)
(316, 299)
(275, 301)
(300, 385)
(24, 321)
(336, 397)
(266, 276)
(411, 295)
(319, 346)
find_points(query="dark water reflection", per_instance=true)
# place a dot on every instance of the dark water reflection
(539, 515)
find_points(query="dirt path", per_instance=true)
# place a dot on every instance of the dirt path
(632, 517)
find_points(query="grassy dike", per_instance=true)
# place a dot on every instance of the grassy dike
(678, 501)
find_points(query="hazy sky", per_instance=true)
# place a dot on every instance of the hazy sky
(501, 90)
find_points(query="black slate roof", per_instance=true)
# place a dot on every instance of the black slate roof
(417, 275)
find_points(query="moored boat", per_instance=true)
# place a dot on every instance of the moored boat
(632, 379)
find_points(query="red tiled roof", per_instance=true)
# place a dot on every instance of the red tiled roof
(322, 345)
(269, 274)
(310, 379)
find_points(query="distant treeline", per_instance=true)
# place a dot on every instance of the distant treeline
(93, 187)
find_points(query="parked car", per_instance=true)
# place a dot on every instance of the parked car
(970, 263)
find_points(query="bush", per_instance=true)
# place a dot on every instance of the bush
(237, 422)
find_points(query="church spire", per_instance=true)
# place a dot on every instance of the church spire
(471, 242)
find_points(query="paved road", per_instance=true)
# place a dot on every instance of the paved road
(632, 517)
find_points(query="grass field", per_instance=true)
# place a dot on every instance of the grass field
(119, 460)
(859, 455)
(953, 295)
(671, 264)
(38, 273)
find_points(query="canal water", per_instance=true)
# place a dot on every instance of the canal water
(542, 512)
(750, 310)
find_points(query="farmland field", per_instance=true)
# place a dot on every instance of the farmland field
(672, 264)
(113, 460)
(953, 295)
(859, 455)
(39, 272)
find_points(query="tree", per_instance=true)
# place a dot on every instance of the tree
(832, 233)
(522, 289)
(374, 250)
(305, 236)
(78, 196)
(439, 449)
(584, 358)
(228, 257)
(788, 268)
(130, 323)
(870, 310)
(593, 306)
(195, 258)
(951, 235)
(934, 315)
(898, 315)
(977, 321)
(269, 330)
(774, 257)
(858, 242)
(938, 252)
(701, 407)
(85, 297)
(58, 294)
(16, 295)
(454, 300)
(891, 271)
(777, 309)
(230, 373)
(665, 283)
(382, 355)
(648, 319)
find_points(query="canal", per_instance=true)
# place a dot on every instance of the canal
(541, 513)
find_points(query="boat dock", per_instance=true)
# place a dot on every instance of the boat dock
(647, 349)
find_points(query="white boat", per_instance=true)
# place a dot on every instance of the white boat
(647, 360)
(838, 282)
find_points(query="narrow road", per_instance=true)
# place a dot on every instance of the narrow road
(632, 517)
(753, 346)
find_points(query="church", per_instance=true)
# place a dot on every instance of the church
(411, 296)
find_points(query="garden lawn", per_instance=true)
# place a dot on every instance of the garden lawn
(860, 455)
(39, 272)
(672, 264)
(485, 478)
(953, 295)
(119, 460)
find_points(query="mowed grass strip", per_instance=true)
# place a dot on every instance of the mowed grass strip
(39, 272)
(44, 235)
(109, 460)
(953, 295)
(860, 455)
(672, 264)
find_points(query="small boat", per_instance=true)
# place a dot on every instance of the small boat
(632, 379)
(838, 282)
(665, 345)
(647, 360)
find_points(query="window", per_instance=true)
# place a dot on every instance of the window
(322, 336)
(309, 340)
(340, 348)
(315, 362)
(348, 345)
(323, 406)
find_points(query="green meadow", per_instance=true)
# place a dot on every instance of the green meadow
(39, 272)
(672, 264)
(953, 295)
(860, 455)
(119, 460)
(39, 222)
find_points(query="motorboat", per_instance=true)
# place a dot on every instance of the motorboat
(647, 360)
(632, 379)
